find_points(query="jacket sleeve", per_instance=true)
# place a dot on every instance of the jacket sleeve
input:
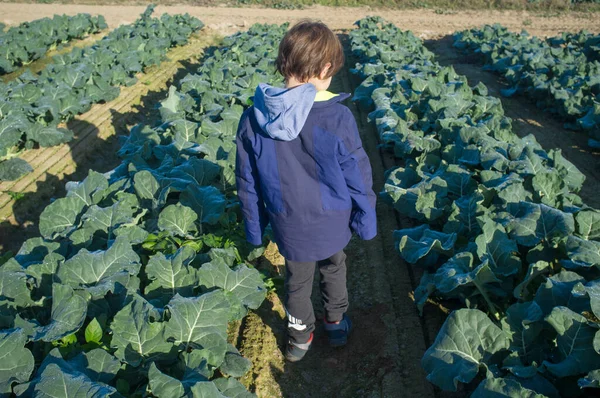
(248, 187)
(357, 172)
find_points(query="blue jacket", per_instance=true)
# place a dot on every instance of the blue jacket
(301, 166)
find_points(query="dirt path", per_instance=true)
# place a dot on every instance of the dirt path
(95, 145)
(426, 23)
(528, 119)
(383, 357)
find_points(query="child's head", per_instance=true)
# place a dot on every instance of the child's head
(310, 52)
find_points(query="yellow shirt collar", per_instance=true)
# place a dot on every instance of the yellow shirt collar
(324, 96)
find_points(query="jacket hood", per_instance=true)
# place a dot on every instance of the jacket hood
(282, 112)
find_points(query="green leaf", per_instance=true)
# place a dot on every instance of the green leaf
(48, 136)
(524, 322)
(11, 130)
(138, 334)
(34, 250)
(533, 223)
(93, 332)
(424, 290)
(548, 186)
(207, 202)
(572, 177)
(132, 233)
(221, 129)
(186, 132)
(163, 386)
(171, 275)
(461, 272)
(230, 255)
(90, 190)
(212, 350)
(465, 212)
(494, 246)
(195, 371)
(200, 172)
(232, 388)
(13, 169)
(574, 340)
(235, 364)
(17, 361)
(243, 286)
(593, 290)
(177, 220)
(55, 382)
(206, 389)
(97, 364)
(529, 163)
(45, 273)
(145, 184)
(15, 288)
(60, 217)
(466, 341)
(68, 314)
(585, 253)
(558, 291)
(97, 271)
(195, 366)
(588, 224)
(535, 269)
(499, 387)
(423, 201)
(193, 320)
(422, 243)
(169, 107)
(106, 219)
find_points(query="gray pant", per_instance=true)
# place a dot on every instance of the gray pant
(299, 278)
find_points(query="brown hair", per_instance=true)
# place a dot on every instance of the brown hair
(305, 50)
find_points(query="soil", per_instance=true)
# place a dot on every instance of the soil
(227, 20)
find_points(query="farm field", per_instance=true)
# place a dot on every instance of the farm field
(166, 175)
(424, 22)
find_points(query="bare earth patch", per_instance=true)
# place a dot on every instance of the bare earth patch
(227, 20)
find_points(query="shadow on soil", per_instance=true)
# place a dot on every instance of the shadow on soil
(146, 111)
(527, 118)
(96, 154)
(355, 370)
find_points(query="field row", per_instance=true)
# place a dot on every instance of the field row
(35, 108)
(138, 272)
(561, 74)
(501, 227)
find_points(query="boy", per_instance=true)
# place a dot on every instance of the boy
(301, 166)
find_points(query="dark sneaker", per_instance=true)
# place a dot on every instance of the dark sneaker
(296, 351)
(338, 332)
